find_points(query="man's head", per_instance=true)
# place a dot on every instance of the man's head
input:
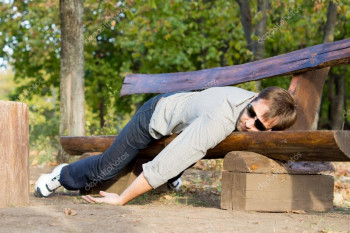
(272, 109)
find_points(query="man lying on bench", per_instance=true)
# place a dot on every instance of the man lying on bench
(204, 119)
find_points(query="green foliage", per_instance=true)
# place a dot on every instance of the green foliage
(6, 84)
(143, 37)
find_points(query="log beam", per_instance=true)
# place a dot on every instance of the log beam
(320, 145)
(250, 162)
(300, 61)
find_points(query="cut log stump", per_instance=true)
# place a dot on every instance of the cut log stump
(14, 154)
(251, 181)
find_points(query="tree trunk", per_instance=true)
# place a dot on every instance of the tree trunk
(336, 86)
(101, 106)
(54, 93)
(260, 31)
(336, 90)
(72, 116)
(328, 35)
(257, 47)
(246, 21)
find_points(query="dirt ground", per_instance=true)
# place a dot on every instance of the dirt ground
(195, 210)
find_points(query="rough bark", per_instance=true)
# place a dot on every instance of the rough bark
(72, 117)
(328, 36)
(260, 31)
(336, 93)
(336, 83)
(246, 21)
(306, 145)
(257, 47)
(101, 106)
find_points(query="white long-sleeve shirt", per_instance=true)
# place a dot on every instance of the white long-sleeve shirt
(204, 119)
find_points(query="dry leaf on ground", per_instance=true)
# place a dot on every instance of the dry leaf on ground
(69, 211)
(168, 197)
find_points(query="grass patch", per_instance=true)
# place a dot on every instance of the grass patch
(197, 198)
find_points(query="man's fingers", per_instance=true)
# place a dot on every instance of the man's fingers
(108, 198)
(103, 193)
(90, 199)
(86, 199)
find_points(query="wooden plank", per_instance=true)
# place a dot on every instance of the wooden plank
(306, 89)
(320, 145)
(311, 58)
(14, 154)
(282, 192)
(250, 162)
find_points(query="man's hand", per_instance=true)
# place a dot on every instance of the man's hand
(108, 198)
(138, 187)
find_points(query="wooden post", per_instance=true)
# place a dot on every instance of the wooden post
(251, 181)
(14, 154)
(306, 89)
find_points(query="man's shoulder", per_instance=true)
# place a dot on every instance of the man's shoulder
(235, 92)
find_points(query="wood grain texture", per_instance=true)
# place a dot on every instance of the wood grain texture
(320, 145)
(311, 58)
(278, 192)
(251, 162)
(14, 154)
(306, 89)
(226, 190)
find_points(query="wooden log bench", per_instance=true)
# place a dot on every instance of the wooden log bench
(252, 158)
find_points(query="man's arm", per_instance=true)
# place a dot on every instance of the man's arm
(137, 188)
(190, 146)
(187, 148)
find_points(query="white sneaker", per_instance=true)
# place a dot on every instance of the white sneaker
(175, 185)
(48, 183)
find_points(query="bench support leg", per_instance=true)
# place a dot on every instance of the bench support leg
(254, 182)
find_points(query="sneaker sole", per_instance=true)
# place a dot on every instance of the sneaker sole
(37, 193)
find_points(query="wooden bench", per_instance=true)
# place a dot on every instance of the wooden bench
(263, 183)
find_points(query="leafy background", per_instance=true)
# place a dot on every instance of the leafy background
(136, 36)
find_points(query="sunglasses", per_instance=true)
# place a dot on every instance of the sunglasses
(257, 122)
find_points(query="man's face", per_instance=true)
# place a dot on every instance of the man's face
(246, 122)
